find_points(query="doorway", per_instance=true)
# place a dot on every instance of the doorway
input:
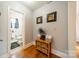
(15, 31)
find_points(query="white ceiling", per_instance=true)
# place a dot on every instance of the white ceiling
(33, 5)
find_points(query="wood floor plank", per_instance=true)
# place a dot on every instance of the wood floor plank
(31, 52)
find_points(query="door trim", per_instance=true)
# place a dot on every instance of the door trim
(23, 33)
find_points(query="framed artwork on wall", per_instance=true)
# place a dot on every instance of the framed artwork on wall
(52, 17)
(39, 20)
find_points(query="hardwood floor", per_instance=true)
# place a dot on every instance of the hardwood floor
(31, 52)
(77, 49)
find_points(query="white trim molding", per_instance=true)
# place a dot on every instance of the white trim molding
(59, 53)
(4, 56)
(33, 42)
(28, 45)
(72, 55)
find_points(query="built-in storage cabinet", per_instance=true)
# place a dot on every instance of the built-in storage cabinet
(44, 46)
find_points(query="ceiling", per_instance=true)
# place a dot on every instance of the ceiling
(33, 5)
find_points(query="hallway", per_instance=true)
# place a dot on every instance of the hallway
(57, 19)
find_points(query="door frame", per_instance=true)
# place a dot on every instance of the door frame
(23, 26)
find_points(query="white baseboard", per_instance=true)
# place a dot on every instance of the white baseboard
(72, 54)
(29, 44)
(33, 42)
(60, 54)
(4, 56)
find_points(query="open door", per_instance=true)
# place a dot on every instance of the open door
(15, 31)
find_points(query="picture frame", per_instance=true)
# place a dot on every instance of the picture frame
(52, 17)
(39, 20)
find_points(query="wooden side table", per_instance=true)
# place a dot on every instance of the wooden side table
(44, 46)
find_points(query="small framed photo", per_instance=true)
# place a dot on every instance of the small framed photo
(39, 20)
(51, 17)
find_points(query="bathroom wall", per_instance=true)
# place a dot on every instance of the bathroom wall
(59, 29)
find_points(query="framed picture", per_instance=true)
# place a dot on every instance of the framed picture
(51, 17)
(39, 20)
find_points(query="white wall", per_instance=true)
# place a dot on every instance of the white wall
(3, 29)
(72, 29)
(58, 29)
(77, 22)
(4, 22)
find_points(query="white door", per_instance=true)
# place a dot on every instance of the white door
(16, 30)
